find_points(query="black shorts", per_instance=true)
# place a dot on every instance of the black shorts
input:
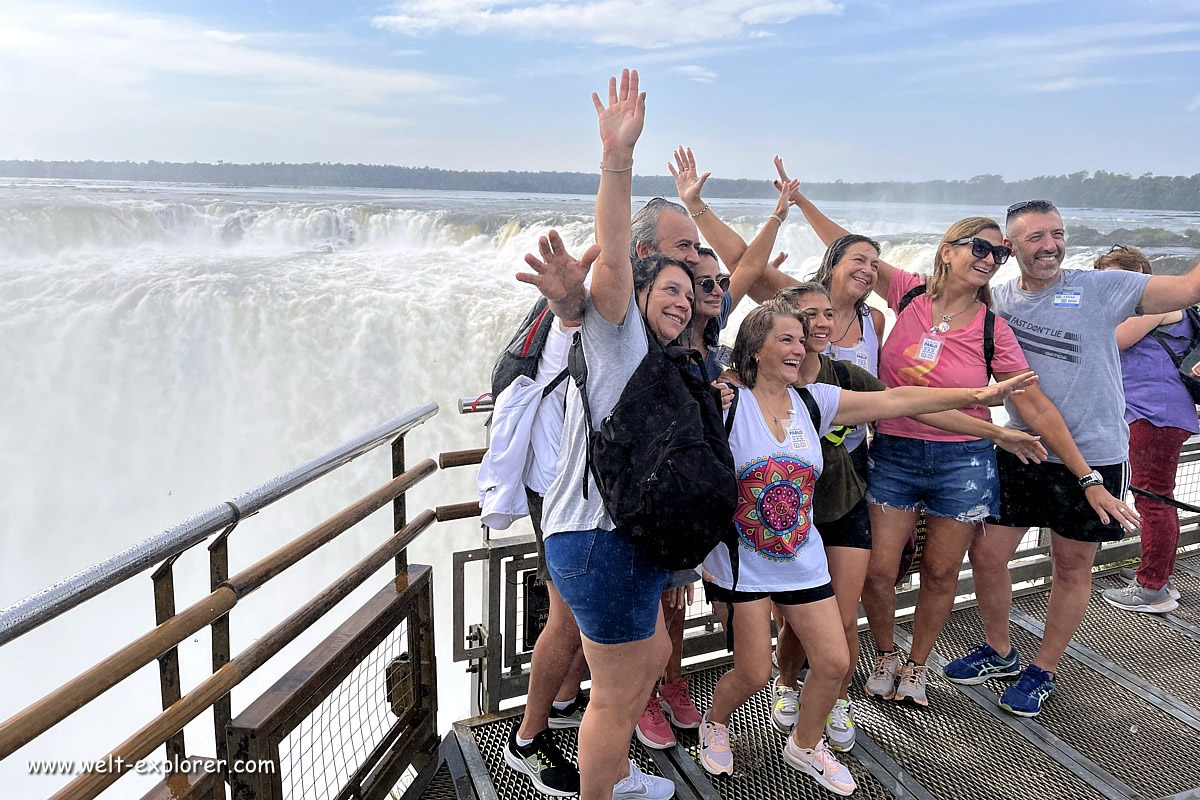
(851, 530)
(535, 516)
(1047, 495)
(794, 597)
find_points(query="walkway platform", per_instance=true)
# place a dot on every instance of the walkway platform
(1124, 722)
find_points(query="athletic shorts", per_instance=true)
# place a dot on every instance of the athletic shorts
(791, 597)
(851, 530)
(955, 480)
(1047, 495)
(613, 590)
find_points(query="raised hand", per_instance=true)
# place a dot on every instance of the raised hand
(557, 274)
(622, 119)
(786, 188)
(794, 194)
(778, 260)
(688, 181)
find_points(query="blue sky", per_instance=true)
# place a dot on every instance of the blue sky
(849, 89)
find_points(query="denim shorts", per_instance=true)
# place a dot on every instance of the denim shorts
(613, 590)
(955, 480)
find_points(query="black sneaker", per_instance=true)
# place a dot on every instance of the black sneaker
(544, 763)
(569, 717)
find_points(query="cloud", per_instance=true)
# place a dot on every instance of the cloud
(642, 24)
(1070, 84)
(1194, 105)
(696, 73)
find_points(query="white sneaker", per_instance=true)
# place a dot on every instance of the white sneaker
(637, 785)
(786, 708)
(715, 754)
(822, 765)
(839, 726)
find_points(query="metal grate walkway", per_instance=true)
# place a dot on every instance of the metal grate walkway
(1124, 723)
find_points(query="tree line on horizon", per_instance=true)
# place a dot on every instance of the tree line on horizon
(1082, 189)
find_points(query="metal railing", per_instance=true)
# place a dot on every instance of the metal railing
(498, 647)
(405, 604)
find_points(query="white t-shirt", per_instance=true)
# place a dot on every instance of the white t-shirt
(546, 435)
(779, 546)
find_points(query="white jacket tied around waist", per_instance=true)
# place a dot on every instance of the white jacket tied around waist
(502, 472)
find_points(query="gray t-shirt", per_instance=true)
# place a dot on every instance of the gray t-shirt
(1067, 332)
(613, 353)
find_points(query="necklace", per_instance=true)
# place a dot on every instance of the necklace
(846, 332)
(762, 403)
(944, 325)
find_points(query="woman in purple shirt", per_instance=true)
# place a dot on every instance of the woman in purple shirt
(1161, 416)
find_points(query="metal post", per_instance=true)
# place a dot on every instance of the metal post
(218, 566)
(168, 662)
(399, 505)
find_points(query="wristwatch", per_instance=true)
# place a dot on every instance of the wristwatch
(1093, 478)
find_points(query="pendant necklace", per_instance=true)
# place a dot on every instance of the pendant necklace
(944, 325)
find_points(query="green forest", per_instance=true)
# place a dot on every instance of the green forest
(1077, 190)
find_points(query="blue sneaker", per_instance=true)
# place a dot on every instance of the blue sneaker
(982, 664)
(1025, 697)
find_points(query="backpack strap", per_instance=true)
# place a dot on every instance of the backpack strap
(989, 339)
(733, 404)
(577, 367)
(552, 385)
(842, 371)
(911, 295)
(814, 410)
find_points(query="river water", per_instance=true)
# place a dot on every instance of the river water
(167, 346)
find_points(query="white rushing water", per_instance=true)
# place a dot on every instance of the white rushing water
(166, 347)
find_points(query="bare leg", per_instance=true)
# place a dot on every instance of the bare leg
(674, 617)
(751, 660)
(575, 673)
(557, 651)
(622, 676)
(1069, 595)
(890, 530)
(990, 552)
(848, 569)
(945, 546)
(819, 624)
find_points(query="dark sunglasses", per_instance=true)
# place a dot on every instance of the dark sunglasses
(1029, 205)
(981, 247)
(709, 284)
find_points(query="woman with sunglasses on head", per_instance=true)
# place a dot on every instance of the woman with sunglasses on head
(1161, 416)
(938, 340)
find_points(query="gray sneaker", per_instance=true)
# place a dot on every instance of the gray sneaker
(1135, 597)
(882, 683)
(1130, 574)
(912, 684)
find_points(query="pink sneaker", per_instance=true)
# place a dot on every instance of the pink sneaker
(652, 729)
(678, 705)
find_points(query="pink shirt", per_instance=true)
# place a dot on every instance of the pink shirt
(912, 356)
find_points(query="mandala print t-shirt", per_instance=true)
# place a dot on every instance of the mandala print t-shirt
(779, 548)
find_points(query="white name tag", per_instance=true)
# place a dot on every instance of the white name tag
(930, 349)
(860, 359)
(1066, 299)
(796, 438)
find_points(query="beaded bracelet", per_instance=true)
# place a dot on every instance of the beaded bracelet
(610, 169)
(698, 213)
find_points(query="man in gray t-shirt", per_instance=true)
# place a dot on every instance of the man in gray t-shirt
(1065, 321)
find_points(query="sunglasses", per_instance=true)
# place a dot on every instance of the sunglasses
(709, 284)
(981, 247)
(1029, 205)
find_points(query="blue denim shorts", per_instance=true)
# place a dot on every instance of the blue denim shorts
(956, 480)
(612, 589)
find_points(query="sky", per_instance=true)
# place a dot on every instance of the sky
(842, 89)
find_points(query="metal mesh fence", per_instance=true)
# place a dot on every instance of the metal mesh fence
(320, 754)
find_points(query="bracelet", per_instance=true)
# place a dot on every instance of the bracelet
(778, 219)
(698, 213)
(609, 169)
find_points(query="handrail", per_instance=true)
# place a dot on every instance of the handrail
(43, 606)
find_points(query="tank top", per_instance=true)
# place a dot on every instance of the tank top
(864, 355)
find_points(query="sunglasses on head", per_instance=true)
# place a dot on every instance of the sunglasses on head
(981, 247)
(1029, 205)
(709, 285)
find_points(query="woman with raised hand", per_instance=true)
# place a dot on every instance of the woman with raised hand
(840, 508)
(611, 587)
(774, 435)
(1161, 416)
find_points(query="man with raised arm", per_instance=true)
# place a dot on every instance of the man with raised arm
(1065, 321)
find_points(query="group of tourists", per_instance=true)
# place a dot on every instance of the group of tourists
(648, 456)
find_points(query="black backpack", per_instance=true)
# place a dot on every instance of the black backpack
(661, 457)
(523, 352)
(1190, 382)
(989, 325)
